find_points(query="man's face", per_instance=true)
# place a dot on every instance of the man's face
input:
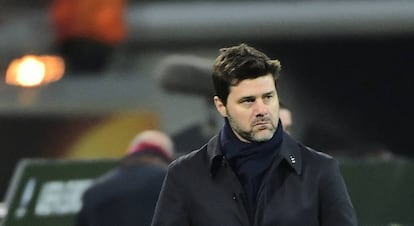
(252, 109)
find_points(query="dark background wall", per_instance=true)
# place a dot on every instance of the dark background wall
(365, 82)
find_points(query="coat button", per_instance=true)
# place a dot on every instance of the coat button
(292, 159)
(235, 198)
(223, 162)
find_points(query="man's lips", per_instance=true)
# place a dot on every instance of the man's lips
(261, 123)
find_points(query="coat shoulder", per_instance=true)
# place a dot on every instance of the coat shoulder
(320, 158)
(190, 160)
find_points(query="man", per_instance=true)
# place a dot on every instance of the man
(127, 195)
(252, 173)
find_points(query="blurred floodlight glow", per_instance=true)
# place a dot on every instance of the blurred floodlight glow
(31, 70)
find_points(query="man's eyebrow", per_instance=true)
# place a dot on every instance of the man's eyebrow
(268, 93)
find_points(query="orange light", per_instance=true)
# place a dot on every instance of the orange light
(31, 70)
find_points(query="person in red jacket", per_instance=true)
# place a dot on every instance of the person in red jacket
(87, 32)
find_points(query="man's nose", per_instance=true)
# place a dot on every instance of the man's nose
(260, 108)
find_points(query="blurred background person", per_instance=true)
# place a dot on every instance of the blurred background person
(285, 116)
(87, 32)
(127, 195)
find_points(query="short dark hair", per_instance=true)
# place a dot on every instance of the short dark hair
(238, 63)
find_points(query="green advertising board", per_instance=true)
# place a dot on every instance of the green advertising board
(382, 192)
(48, 192)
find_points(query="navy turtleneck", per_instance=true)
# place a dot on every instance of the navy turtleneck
(249, 160)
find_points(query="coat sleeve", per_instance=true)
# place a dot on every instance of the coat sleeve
(80, 219)
(336, 206)
(171, 208)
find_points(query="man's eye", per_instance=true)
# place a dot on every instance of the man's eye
(268, 97)
(247, 101)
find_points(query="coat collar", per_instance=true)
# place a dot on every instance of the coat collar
(215, 155)
(290, 152)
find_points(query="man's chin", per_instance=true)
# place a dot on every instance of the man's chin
(263, 135)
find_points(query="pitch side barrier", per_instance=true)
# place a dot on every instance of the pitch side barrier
(47, 192)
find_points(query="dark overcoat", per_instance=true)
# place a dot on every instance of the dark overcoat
(302, 187)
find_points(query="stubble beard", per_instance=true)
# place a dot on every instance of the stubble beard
(261, 134)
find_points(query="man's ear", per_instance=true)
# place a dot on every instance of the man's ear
(220, 106)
